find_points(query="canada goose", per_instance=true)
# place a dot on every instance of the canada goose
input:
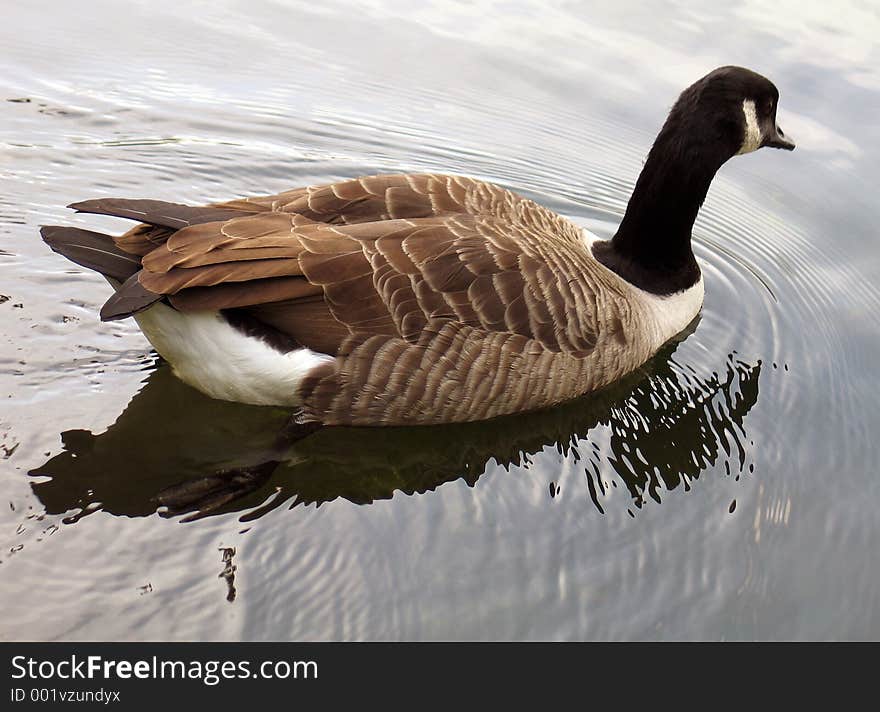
(420, 299)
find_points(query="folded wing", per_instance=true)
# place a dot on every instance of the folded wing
(388, 277)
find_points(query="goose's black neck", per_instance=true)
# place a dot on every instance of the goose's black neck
(652, 247)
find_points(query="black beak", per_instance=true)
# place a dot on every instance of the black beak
(778, 139)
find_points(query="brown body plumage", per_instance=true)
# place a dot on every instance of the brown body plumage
(443, 298)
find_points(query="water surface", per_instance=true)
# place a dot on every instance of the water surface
(727, 490)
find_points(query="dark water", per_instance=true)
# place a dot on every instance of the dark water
(726, 491)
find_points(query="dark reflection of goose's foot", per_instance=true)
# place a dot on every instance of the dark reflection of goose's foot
(205, 495)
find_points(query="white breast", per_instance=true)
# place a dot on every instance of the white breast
(669, 315)
(659, 318)
(211, 355)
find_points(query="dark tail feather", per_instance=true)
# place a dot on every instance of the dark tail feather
(91, 249)
(130, 298)
(156, 212)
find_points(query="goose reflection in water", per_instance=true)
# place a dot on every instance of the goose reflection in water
(665, 424)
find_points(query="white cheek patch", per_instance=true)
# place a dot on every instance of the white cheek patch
(752, 140)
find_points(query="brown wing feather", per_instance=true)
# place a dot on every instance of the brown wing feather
(308, 321)
(244, 294)
(389, 197)
(155, 212)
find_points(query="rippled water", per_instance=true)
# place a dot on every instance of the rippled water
(726, 491)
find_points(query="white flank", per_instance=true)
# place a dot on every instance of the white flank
(209, 354)
(752, 140)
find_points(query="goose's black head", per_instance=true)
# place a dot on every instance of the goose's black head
(732, 108)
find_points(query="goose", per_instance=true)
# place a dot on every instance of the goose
(418, 299)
